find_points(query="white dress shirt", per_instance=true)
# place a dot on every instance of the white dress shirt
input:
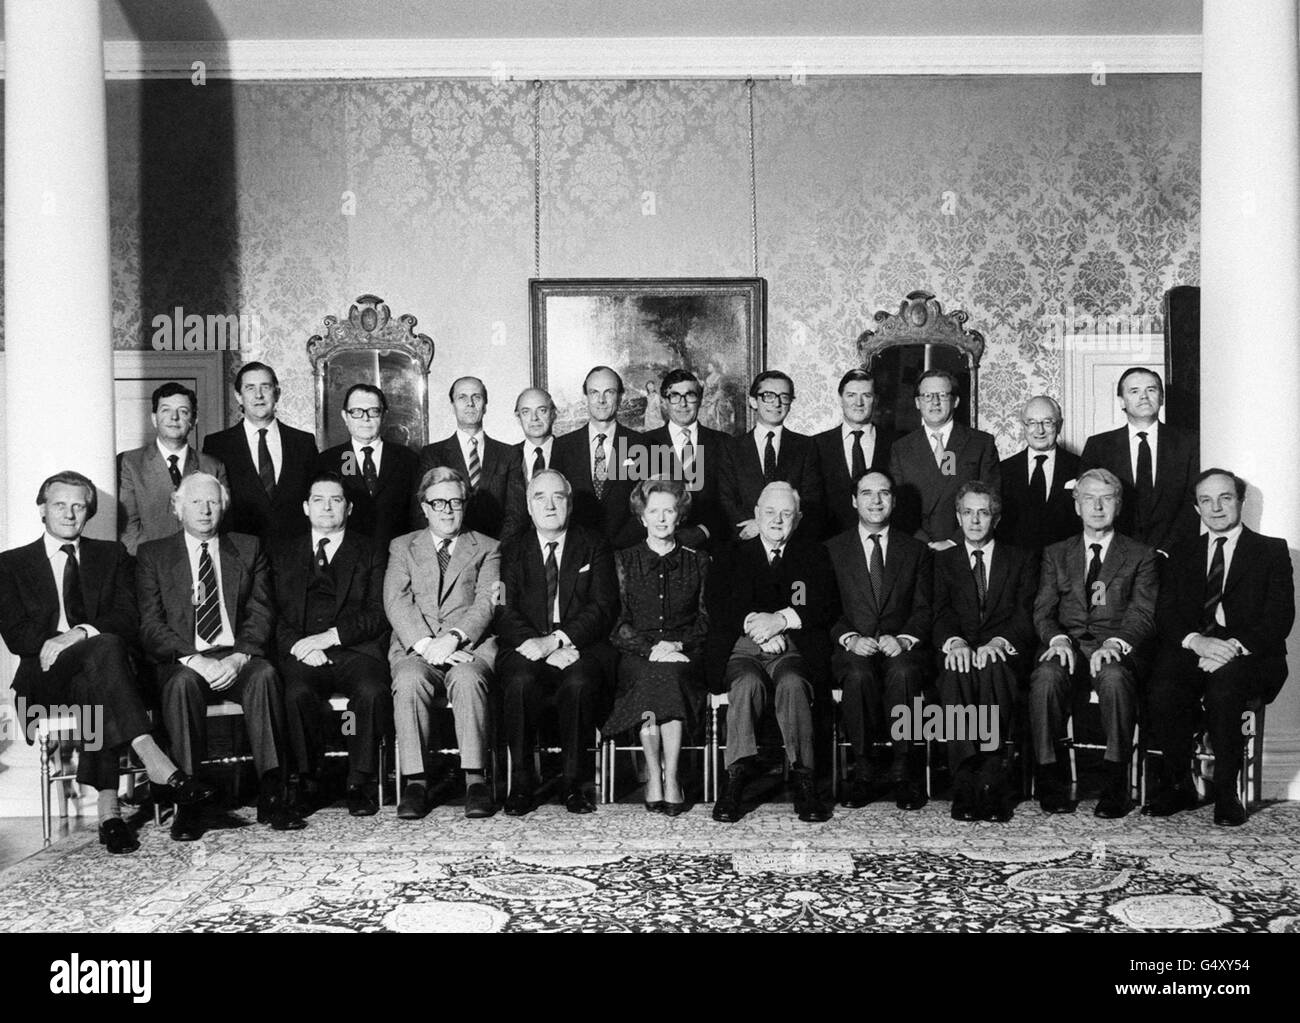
(944, 432)
(868, 443)
(332, 543)
(530, 453)
(679, 434)
(480, 439)
(181, 455)
(227, 635)
(376, 447)
(1049, 467)
(1229, 548)
(760, 440)
(864, 537)
(988, 574)
(611, 460)
(1134, 441)
(559, 560)
(273, 444)
(58, 560)
(1105, 543)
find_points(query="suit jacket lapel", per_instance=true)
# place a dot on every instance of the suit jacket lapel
(1240, 558)
(344, 567)
(40, 570)
(1123, 457)
(1075, 566)
(997, 577)
(462, 552)
(892, 559)
(572, 558)
(232, 572)
(182, 591)
(1116, 557)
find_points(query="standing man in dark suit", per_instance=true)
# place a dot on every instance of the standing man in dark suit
(559, 602)
(929, 464)
(206, 618)
(536, 414)
(378, 476)
(879, 662)
(67, 611)
(693, 453)
(769, 454)
(484, 462)
(1227, 604)
(1156, 464)
(847, 451)
(148, 476)
(267, 463)
(601, 460)
(330, 632)
(1037, 503)
(984, 631)
(1095, 617)
(771, 605)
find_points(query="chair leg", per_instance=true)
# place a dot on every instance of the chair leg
(47, 825)
(1074, 767)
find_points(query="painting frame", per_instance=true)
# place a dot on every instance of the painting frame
(642, 327)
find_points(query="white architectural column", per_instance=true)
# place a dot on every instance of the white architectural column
(58, 364)
(1250, 293)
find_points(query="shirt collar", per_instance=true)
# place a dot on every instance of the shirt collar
(192, 542)
(465, 438)
(180, 455)
(761, 432)
(944, 432)
(1151, 431)
(987, 549)
(1233, 535)
(558, 541)
(594, 429)
(1105, 546)
(53, 543)
(692, 431)
(272, 429)
(375, 446)
(335, 540)
(847, 428)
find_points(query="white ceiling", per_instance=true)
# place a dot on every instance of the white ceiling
(488, 19)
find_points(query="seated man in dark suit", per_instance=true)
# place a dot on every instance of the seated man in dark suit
(929, 464)
(769, 454)
(267, 463)
(1037, 502)
(692, 453)
(330, 632)
(148, 476)
(847, 451)
(378, 476)
(984, 630)
(536, 414)
(481, 460)
(1156, 464)
(206, 617)
(1227, 604)
(1095, 616)
(559, 601)
(880, 660)
(601, 462)
(67, 611)
(438, 593)
(772, 600)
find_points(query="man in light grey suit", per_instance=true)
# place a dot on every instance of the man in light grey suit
(148, 476)
(439, 593)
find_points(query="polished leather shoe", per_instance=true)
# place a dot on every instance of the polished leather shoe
(363, 800)
(478, 801)
(655, 806)
(414, 803)
(910, 795)
(117, 836)
(519, 802)
(1053, 791)
(859, 793)
(965, 801)
(728, 809)
(807, 803)
(1229, 812)
(1170, 800)
(275, 811)
(186, 825)
(994, 799)
(577, 801)
(1113, 805)
(183, 790)
(674, 809)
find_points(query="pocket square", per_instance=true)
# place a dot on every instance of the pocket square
(584, 568)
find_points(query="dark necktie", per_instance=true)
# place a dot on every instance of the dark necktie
(265, 467)
(444, 559)
(1094, 571)
(1038, 482)
(173, 471)
(1213, 590)
(859, 468)
(769, 458)
(876, 568)
(475, 466)
(598, 470)
(74, 603)
(320, 562)
(1144, 483)
(775, 563)
(368, 471)
(539, 462)
(981, 579)
(552, 582)
(207, 620)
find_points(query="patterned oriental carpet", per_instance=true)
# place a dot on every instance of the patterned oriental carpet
(622, 869)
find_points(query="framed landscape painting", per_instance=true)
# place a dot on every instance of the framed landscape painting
(715, 327)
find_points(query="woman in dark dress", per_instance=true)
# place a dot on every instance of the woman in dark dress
(660, 638)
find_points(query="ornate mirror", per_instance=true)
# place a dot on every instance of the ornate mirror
(905, 344)
(372, 346)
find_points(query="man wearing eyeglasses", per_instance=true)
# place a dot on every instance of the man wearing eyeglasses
(770, 454)
(378, 476)
(483, 461)
(536, 414)
(1037, 503)
(439, 594)
(693, 451)
(848, 451)
(930, 464)
(601, 462)
(330, 635)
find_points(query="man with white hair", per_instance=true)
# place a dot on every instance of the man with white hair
(1037, 483)
(206, 617)
(772, 601)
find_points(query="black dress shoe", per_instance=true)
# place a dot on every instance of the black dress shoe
(275, 811)
(655, 806)
(117, 836)
(414, 803)
(1170, 800)
(910, 795)
(728, 808)
(994, 799)
(183, 790)
(478, 801)
(965, 799)
(577, 801)
(519, 802)
(186, 825)
(363, 800)
(674, 809)
(1114, 802)
(1053, 790)
(1229, 812)
(807, 803)
(859, 793)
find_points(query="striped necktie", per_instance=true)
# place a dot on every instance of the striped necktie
(475, 467)
(207, 620)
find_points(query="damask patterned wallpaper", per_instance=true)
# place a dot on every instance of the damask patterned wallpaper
(1014, 198)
